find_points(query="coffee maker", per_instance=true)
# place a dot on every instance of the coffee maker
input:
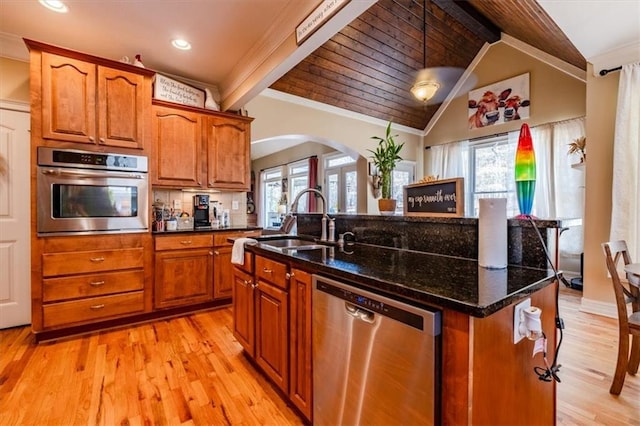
(201, 211)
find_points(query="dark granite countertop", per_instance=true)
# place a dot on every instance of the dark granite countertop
(443, 281)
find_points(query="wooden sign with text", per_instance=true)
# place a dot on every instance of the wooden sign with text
(439, 198)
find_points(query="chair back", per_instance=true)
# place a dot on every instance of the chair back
(614, 251)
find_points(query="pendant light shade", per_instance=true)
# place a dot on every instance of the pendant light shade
(424, 90)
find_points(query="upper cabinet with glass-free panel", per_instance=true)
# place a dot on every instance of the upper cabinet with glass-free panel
(200, 149)
(87, 100)
(228, 152)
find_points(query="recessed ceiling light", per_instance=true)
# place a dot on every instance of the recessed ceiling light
(181, 44)
(55, 5)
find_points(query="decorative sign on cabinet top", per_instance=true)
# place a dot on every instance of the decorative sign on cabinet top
(168, 89)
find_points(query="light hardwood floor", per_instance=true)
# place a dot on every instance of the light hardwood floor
(190, 370)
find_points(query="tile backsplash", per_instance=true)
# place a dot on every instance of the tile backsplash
(235, 202)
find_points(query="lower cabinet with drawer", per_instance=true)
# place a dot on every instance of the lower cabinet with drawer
(74, 284)
(222, 268)
(183, 270)
(272, 322)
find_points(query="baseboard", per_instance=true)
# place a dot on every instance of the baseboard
(599, 308)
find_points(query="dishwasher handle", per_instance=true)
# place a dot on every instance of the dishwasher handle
(359, 313)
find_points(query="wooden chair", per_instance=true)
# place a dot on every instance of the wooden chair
(628, 325)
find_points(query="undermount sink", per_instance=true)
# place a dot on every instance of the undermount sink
(292, 244)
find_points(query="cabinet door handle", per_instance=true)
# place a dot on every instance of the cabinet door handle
(289, 275)
(267, 271)
(248, 283)
(96, 307)
(91, 138)
(97, 259)
(96, 283)
(210, 253)
(102, 140)
(186, 242)
(216, 252)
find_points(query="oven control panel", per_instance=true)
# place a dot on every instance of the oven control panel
(91, 160)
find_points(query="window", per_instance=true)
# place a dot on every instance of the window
(272, 190)
(299, 180)
(491, 173)
(341, 180)
(403, 174)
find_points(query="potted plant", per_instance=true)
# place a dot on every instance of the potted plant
(385, 157)
(578, 146)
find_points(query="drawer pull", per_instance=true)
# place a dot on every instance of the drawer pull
(96, 307)
(96, 283)
(186, 242)
(267, 271)
(97, 259)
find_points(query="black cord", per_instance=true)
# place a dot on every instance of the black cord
(549, 372)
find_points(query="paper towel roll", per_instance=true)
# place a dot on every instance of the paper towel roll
(492, 285)
(492, 233)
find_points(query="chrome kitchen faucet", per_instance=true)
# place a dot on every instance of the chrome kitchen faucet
(290, 219)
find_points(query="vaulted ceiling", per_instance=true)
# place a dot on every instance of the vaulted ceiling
(371, 64)
(368, 66)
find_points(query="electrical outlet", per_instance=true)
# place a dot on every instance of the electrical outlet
(235, 205)
(517, 317)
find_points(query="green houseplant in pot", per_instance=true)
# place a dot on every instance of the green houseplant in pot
(385, 157)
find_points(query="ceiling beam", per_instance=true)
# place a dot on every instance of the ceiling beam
(475, 22)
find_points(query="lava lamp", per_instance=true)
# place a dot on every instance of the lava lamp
(525, 172)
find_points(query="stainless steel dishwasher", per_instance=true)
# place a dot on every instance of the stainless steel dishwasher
(376, 361)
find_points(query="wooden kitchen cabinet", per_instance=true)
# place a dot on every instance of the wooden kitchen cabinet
(74, 284)
(272, 322)
(89, 101)
(228, 153)
(223, 270)
(200, 149)
(183, 270)
(178, 154)
(244, 305)
(272, 318)
(301, 374)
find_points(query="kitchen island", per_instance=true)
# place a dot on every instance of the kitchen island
(484, 377)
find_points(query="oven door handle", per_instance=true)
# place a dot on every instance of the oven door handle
(87, 174)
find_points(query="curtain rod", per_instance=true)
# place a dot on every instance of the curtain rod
(605, 72)
(290, 162)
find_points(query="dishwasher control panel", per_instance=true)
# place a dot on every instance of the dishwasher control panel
(373, 303)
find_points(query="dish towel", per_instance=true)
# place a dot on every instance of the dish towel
(237, 252)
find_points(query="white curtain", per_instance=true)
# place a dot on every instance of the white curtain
(449, 161)
(543, 203)
(559, 186)
(625, 210)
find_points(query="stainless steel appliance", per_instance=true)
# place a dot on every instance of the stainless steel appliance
(376, 361)
(83, 192)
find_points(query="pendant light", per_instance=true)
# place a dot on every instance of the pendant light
(435, 84)
(424, 88)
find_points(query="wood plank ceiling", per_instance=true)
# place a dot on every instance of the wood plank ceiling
(370, 65)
